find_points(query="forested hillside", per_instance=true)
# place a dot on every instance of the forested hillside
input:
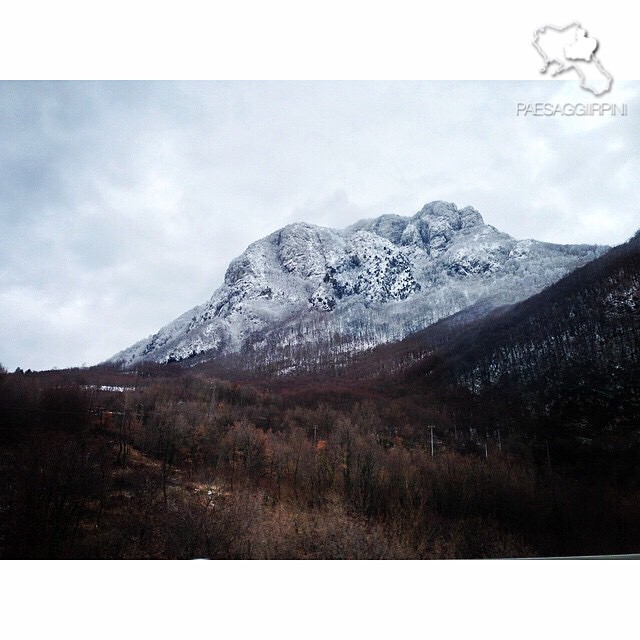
(167, 464)
(572, 351)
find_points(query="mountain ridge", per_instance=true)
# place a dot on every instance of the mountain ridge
(375, 281)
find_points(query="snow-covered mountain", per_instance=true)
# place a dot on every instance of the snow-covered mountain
(340, 291)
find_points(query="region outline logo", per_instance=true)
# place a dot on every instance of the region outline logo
(570, 47)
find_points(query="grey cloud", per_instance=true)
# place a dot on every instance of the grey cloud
(121, 204)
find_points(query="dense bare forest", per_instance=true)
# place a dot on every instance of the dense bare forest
(159, 463)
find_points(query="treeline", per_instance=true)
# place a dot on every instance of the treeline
(189, 466)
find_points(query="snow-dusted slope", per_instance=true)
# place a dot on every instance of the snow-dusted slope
(348, 290)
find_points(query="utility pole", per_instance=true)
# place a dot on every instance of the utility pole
(486, 451)
(499, 441)
(546, 442)
(91, 395)
(212, 404)
(432, 428)
(315, 436)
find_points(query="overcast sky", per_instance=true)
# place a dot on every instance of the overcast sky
(121, 204)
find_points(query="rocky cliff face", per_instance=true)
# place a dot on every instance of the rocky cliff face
(351, 289)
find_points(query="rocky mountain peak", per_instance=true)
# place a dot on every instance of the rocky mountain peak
(448, 213)
(435, 225)
(375, 281)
